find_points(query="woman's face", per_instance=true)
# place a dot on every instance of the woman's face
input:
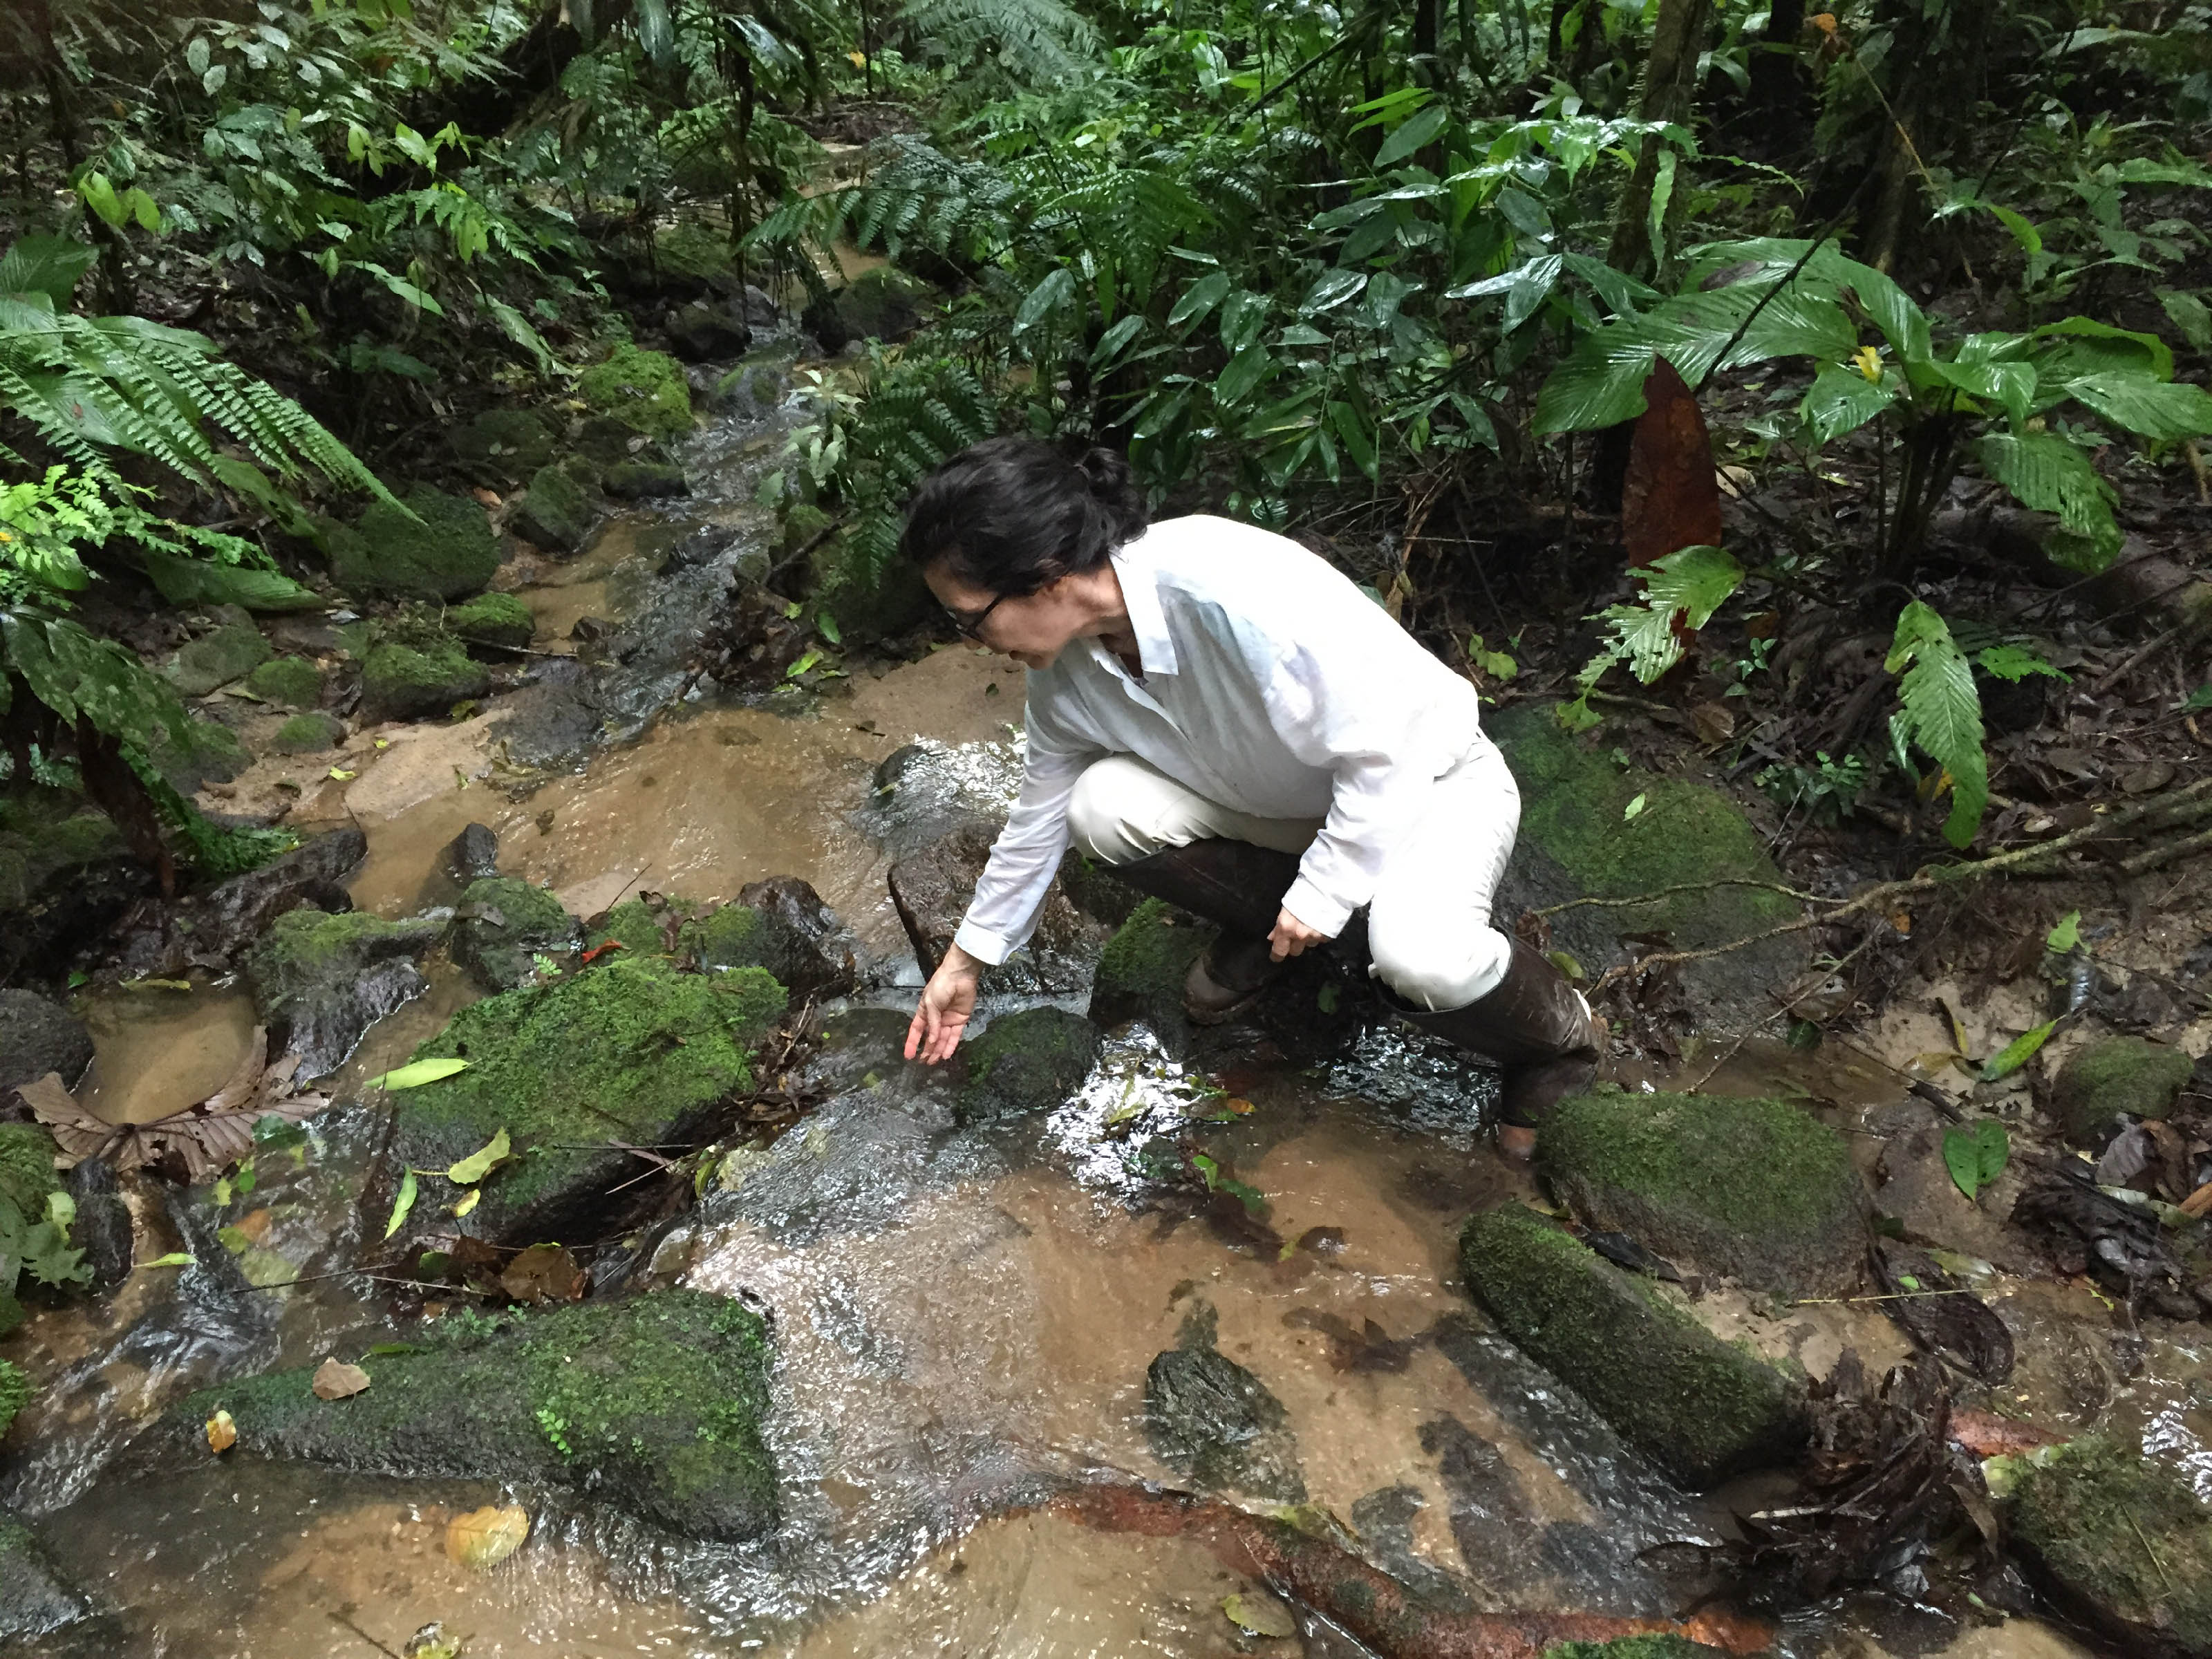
(1033, 629)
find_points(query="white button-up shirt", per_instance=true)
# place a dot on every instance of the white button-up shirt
(1270, 684)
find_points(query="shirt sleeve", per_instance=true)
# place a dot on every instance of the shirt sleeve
(1026, 855)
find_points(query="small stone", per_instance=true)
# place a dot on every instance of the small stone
(102, 1228)
(505, 443)
(308, 734)
(209, 752)
(35, 1599)
(215, 659)
(320, 980)
(1140, 974)
(2112, 1077)
(287, 682)
(1026, 1063)
(472, 855)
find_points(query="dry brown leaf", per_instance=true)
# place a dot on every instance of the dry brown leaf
(1671, 498)
(222, 1433)
(1715, 724)
(544, 1273)
(336, 1380)
(484, 1538)
(2198, 1201)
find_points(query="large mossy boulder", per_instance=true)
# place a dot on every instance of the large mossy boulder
(1577, 841)
(646, 390)
(554, 513)
(1027, 1062)
(867, 590)
(218, 657)
(504, 923)
(400, 682)
(630, 1050)
(321, 981)
(200, 753)
(35, 1599)
(2122, 1541)
(1700, 1409)
(1140, 973)
(2114, 1077)
(651, 1404)
(446, 551)
(505, 443)
(1758, 1191)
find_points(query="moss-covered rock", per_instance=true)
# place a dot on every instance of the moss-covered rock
(554, 513)
(646, 390)
(399, 682)
(217, 658)
(499, 619)
(882, 303)
(287, 682)
(1140, 974)
(1759, 1190)
(750, 391)
(651, 1404)
(206, 752)
(1216, 1423)
(869, 590)
(642, 481)
(637, 927)
(505, 443)
(505, 922)
(310, 733)
(2112, 1076)
(1633, 1647)
(1577, 841)
(321, 981)
(2124, 1540)
(738, 936)
(446, 551)
(630, 1050)
(35, 1599)
(1026, 1063)
(1699, 1408)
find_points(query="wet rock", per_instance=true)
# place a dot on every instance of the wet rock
(781, 925)
(505, 922)
(705, 328)
(604, 441)
(308, 734)
(641, 480)
(1577, 841)
(630, 1051)
(102, 1228)
(501, 444)
(924, 791)
(35, 1599)
(646, 390)
(399, 682)
(212, 929)
(2122, 1541)
(207, 752)
(37, 1036)
(931, 889)
(751, 392)
(883, 303)
(1635, 1647)
(215, 658)
(472, 855)
(1758, 1191)
(287, 682)
(1141, 972)
(321, 981)
(553, 513)
(651, 1404)
(1215, 1423)
(1027, 1062)
(492, 619)
(868, 590)
(446, 551)
(2112, 1077)
(1699, 1408)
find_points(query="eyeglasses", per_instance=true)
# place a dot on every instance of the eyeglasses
(972, 627)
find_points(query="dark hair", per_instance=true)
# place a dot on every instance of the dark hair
(1013, 514)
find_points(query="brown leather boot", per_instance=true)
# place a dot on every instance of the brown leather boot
(1239, 888)
(1534, 1024)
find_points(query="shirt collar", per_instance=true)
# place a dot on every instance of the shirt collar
(1140, 591)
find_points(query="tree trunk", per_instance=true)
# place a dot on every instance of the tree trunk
(1670, 93)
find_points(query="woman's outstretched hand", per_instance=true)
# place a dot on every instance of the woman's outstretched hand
(1292, 937)
(946, 1002)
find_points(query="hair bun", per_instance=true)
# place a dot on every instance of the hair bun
(1115, 487)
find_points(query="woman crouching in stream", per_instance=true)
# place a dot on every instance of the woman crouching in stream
(1223, 718)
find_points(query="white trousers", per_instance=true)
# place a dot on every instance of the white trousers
(1428, 925)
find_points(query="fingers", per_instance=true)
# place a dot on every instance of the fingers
(922, 1028)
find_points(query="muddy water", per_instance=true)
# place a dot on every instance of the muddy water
(159, 1048)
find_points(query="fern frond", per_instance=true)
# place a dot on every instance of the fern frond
(1041, 42)
(1939, 713)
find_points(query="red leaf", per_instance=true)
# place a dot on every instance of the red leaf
(1671, 499)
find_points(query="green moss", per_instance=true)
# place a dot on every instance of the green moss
(308, 734)
(553, 512)
(802, 522)
(505, 923)
(215, 658)
(729, 936)
(628, 1049)
(492, 619)
(2103, 1079)
(637, 924)
(1026, 1063)
(689, 249)
(644, 390)
(1632, 1647)
(399, 682)
(1700, 1409)
(306, 951)
(1757, 1189)
(652, 1403)
(289, 682)
(867, 588)
(444, 551)
(2124, 1535)
(26, 1168)
(210, 752)
(1140, 972)
(505, 443)
(14, 1394)
(640, 480)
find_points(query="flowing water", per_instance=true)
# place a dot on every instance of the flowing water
(963, 1318)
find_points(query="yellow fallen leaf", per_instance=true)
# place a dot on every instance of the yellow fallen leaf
(222, 1433)
(467, 1171)
(336, 1380)
(469, 1202)
(485, 1537)
(1260, 1615)
(342, 776)
(383, 742)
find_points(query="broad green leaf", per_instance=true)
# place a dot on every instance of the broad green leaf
(1421, 128)
(1976, 1154)
(2017, 1052)
(100, 196)
(2187, 311)
(1200, 298)
(1055, 291)
(826, 626)
(1245, 371)
(1599, 384)
(1358, 437)
(2011, 385)
(1244, 314)
(1942, 713)
(1841, 400)
(403, 1204)
(1690, 583)
(418, 1073)
(198, 581)
(2065, 935)
(2050, 475)
(174, 1259)
(2014, 663)
(2156, 410)
(1111, 341)
(1532, 285)
(2197, 701)
(2102, 345)
(467, 1171)
(1331, 290)
(48, 265)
